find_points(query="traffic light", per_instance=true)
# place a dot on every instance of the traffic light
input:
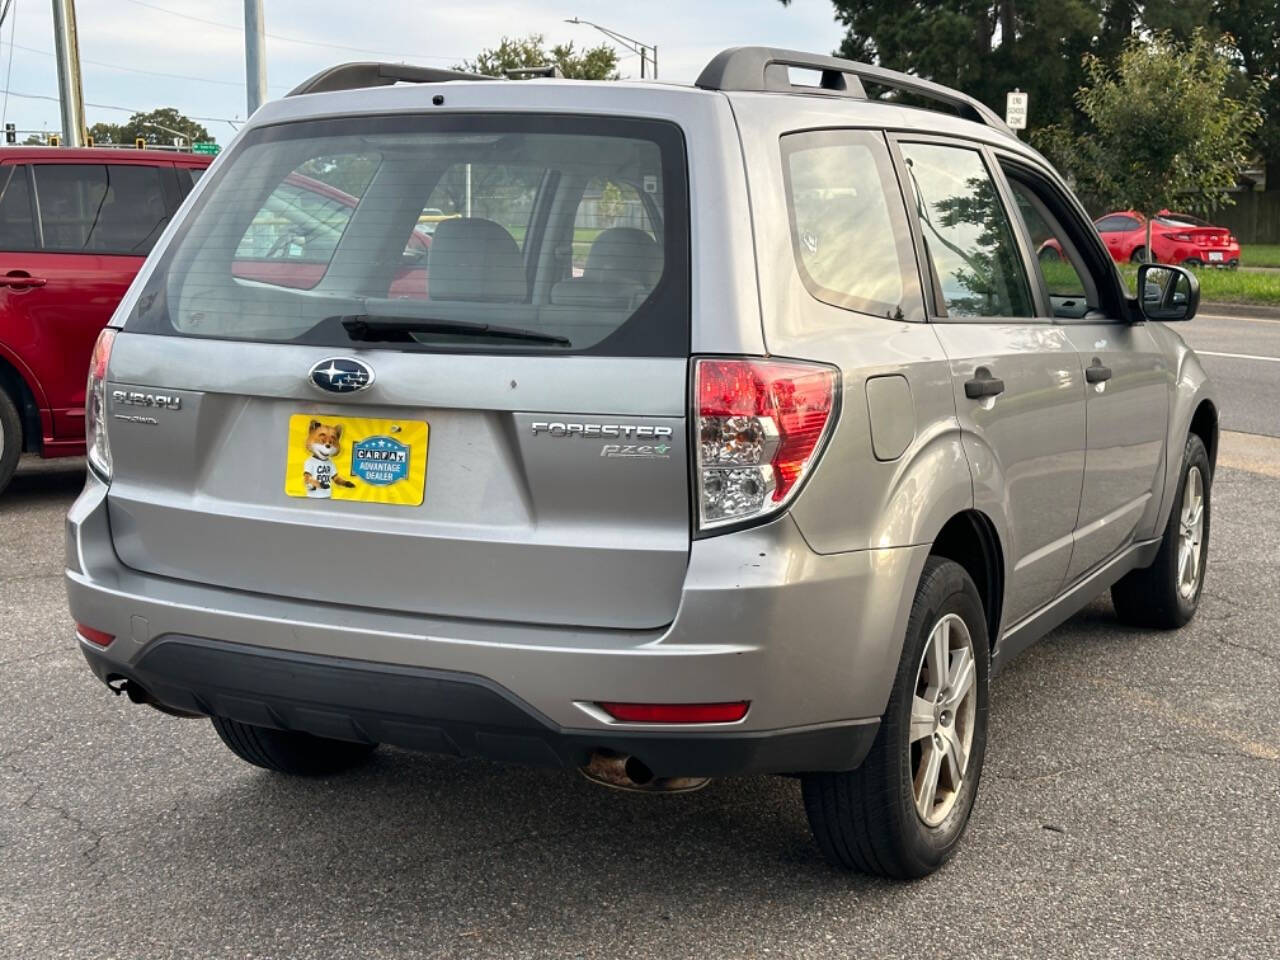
(88, 141)
(140, 143)
(11, 133)
(55, 140)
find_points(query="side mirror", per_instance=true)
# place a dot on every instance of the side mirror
(1167, 293)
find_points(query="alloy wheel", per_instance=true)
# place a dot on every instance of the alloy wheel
(1190, 534)
(943, 718)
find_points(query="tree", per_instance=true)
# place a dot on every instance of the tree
(593, 63)
(989, 47)
(1254, 27)
(140, 125)
(1162, 125)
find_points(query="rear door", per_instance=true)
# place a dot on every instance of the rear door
(96, 223)
(21, 276)
(511, 446)
(1017, 381)
(1128, 377)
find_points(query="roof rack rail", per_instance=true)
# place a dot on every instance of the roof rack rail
(353, 76)
(549, 71)
(767, 69)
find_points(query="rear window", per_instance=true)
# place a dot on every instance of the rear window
(101, 208)
(531, 233)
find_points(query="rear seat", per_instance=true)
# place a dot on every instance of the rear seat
(623, 267)
(476, 267)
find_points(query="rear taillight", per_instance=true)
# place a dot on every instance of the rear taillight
(761, 426)
(1183, 237)
(95, 405)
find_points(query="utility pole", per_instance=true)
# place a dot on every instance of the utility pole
(255, 55)
(648, 51)
(67, 49)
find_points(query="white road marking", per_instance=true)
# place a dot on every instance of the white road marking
(1227, 316)
(1237, 356)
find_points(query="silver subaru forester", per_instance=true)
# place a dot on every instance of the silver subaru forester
(666, 432)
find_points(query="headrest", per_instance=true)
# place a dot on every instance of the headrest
(624, 253)
(475, 259)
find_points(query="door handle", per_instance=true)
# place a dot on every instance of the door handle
(21, 280)
(1096, 372)
(983, 384)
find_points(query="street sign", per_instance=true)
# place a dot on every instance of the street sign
(210, 148)
(1015, 110)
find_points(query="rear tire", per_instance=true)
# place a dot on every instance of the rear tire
(1166, 594)
(885, 818)
(10, 438)
(286, 751)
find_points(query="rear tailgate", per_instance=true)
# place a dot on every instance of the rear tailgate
(515, 447)
(551, 526)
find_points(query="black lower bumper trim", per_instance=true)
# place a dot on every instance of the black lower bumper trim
(444, 712)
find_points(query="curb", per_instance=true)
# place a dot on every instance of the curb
(1255, 311)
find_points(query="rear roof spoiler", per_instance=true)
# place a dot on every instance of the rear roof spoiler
(765, 69)
(354, 76)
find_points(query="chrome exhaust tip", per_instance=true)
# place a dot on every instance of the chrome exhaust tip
(624, 772)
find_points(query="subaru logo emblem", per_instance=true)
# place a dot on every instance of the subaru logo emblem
(341, 375)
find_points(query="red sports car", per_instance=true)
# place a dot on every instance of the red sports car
(1175, 238)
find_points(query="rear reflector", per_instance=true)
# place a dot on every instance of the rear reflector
(94, 636)
(677, 712)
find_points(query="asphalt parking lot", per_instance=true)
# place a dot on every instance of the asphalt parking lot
(1129, 809)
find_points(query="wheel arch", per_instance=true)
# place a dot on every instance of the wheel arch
(969, 538)
(23, 396)
(1204, 424)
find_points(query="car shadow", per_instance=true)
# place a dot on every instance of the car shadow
(438, 843)
(41, 482)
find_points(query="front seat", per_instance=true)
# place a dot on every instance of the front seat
(475, 259)
(623, 266)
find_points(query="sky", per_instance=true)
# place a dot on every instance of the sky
(189, 54)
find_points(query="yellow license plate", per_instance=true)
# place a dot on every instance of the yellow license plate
(352, 458)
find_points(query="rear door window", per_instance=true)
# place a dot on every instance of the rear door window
(967, 234)
(17, 225)
(441, 233)
(102, 208)
(848, 231)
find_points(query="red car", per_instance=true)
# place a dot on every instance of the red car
(1175, 238)
(292, 238)
(75, 226)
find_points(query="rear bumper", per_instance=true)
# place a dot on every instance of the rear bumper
(439, 712)
(812, 641)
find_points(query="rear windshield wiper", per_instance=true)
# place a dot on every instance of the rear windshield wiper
(369, 327)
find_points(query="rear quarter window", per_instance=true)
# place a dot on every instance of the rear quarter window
(17, 225)
(848, 229)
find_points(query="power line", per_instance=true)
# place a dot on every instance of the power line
(117, 66)
(239, 28)
(113, 106)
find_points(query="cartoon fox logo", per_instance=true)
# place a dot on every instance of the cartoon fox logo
(319, 474)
